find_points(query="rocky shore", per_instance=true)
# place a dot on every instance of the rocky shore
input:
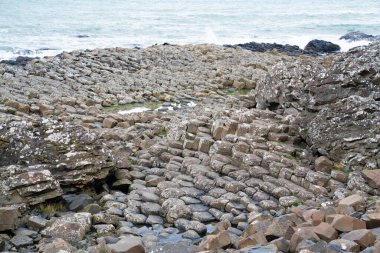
(196, 148)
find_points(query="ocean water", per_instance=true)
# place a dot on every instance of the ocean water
(47, 27)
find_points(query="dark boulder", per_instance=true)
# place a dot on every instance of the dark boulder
(267, 47)
(19, 61)
(321, 46)
(357, 36)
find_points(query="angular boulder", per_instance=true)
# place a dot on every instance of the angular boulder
(356, 201)
(9, 218)
(372, 177)
(364, 237)
(71, 228)
(345, 223)
(30, 185)
(326, 232)
(213, 242)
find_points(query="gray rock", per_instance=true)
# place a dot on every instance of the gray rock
(27, 185)
(191, 234)
(55, 246)
(357, 36)
(135, 218)
(260, 249)
(150, 208)
(154, 219)
(21, 241)
(185, 225)
(71, 228)
(37, 222)
(127, 245)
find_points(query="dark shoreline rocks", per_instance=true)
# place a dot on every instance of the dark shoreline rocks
(321, 46)
(313, 48)
(357, 36)
(267, 47)
(250, 152)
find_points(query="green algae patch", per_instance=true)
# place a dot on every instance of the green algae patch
(127, 107)
(3, 143)
(51, 208)
(236, 92)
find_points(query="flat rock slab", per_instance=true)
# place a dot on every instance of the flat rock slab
(8, 218)
(345, 223)
(21, 241)
(356, 201)
(127, 245)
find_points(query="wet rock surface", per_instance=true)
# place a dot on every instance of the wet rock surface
(357, 36)
(189, 149)
(267, 47)
(321, 46)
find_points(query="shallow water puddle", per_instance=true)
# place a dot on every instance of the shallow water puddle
(236, 92)
(149, 106)
(134, 110)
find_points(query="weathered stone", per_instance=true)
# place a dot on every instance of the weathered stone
(301, 234)
(217, 241)
(345, 223)
(348, 246)
(25, 185)
(93, 209)
(184, 225)
(373, 177)
(77, 202)
(56, 245)
(127, 245)
(372, 220)
(154, 219)
(104, 229)
(8, 218)
(149, 208)
(356, 201)
(255, 239)
(260, 249)
(279, 229)
(21, 241)
(323, 164)
(71, 228)
(288, 201)
(37, 222)
(109, 123)
(364, 237)
(104, 218)
(281, 243)
(326, 232)
(173, 209)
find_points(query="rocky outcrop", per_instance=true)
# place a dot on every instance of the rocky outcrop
(268, 47)
(357, 36)
(186, 148)
(313, 48)
(27, 185)
(68, 153)
(338, 101)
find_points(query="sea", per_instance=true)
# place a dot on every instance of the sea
(47, 27)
